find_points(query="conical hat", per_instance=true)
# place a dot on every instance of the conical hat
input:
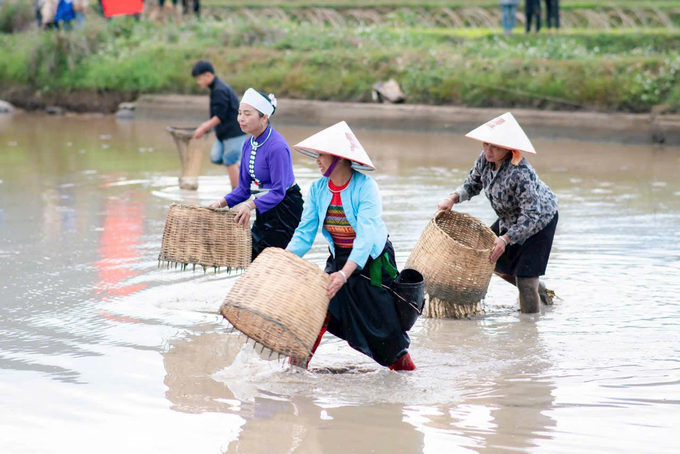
(337, 140)
(505, 132)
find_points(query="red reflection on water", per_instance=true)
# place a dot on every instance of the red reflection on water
(119, 251)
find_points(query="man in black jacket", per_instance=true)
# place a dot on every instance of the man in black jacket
(185, 5)
(223, 117)
(532, 10)
(553, 14)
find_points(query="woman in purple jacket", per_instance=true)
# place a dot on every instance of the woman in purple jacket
(267, 172)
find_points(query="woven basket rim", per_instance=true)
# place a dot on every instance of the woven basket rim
(201, 207)
(181, 128)
(448, 237)
(232, 249)
(261, 315)
(185, 132)
(267, 319)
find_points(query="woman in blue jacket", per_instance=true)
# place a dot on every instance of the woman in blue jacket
(347, 205)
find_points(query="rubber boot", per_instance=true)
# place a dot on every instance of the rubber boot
(529, 301)
(547, 295)
(403, 363)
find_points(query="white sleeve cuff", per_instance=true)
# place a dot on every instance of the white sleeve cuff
(462, 194)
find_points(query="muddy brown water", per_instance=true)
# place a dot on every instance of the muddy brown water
(102, 352)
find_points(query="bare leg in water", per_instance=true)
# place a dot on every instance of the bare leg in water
(545, 295)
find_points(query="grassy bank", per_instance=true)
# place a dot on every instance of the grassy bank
(624, 70)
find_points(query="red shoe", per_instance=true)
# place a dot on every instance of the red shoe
(324, 327)
(403, 363)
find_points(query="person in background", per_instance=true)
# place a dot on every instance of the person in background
(224, 107)
(65, 14)
(526, 208)
(37, 7)
(80, 8)
(170, 9)
(197, 6)
(116, 8)
(553, 14)
(185, 5)
(509, 10)
(52, 13)
(347, 206)
(46, 12)
(532, 10)
(266, 172)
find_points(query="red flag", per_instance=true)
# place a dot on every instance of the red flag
(122, 7)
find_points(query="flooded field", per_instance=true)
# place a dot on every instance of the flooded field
(102, 352)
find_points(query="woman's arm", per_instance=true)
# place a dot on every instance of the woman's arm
(304, 235)
(473, 183)
(368, 220)
(339, 278)
(470, 187)
(206, 126)
(528, 201)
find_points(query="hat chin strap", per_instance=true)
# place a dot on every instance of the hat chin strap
(330, 170)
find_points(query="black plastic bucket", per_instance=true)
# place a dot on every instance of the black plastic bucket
(409, 288)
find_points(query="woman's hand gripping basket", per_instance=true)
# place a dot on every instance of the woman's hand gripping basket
(280, 302)
(453, 257)
(204, 236)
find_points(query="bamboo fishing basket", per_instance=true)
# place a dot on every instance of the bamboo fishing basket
(453, 256)
(204, 236)
(190, 155)
(280, 302)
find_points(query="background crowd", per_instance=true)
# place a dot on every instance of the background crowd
(532, 10)
(53, 13)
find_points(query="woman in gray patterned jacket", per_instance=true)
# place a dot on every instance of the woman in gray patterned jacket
(526, 208)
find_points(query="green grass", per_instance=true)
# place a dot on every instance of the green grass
(579, 69)
(15, 15)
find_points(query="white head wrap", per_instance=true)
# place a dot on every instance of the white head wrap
(259, 102)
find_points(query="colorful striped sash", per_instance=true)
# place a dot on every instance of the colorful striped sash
(336, 222)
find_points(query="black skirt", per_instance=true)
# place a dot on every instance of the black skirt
(365, 315)
(276, 227)
(531, 258)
